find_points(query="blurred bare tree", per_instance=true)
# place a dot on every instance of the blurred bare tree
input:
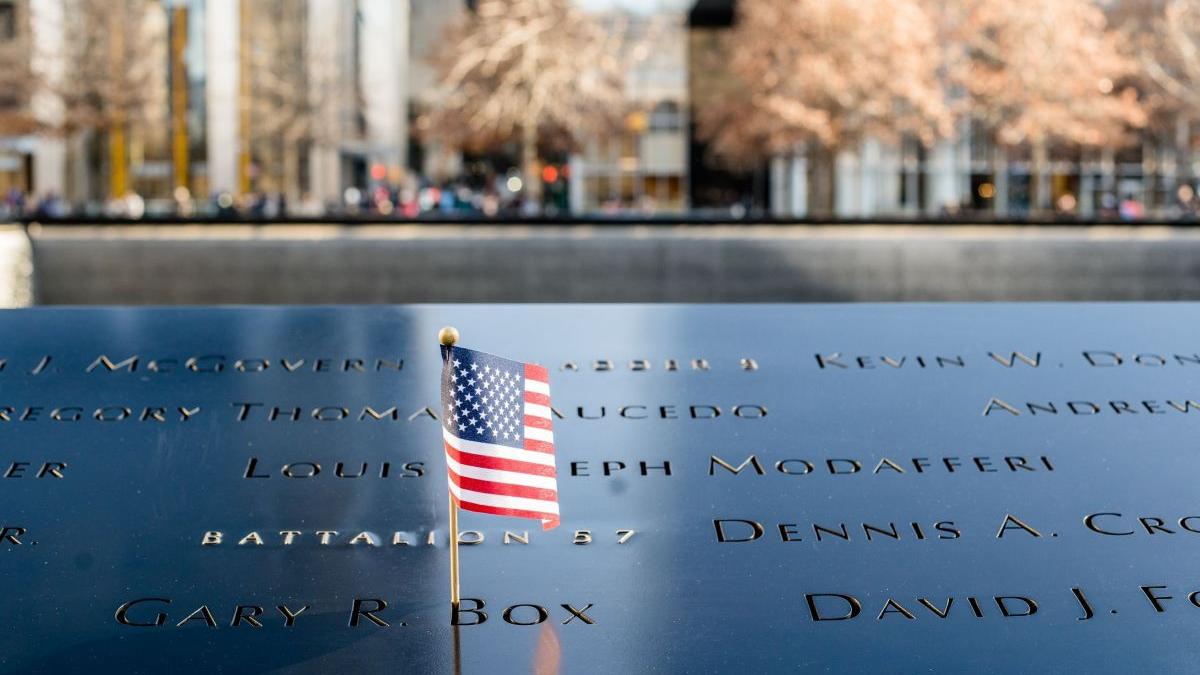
(528, 69)
(16, 75)
(1165, 36)
(1036, 72)
(822, 74)
(105, 67)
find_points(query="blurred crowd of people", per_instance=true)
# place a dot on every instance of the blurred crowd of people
(460, 200)
(428, 199)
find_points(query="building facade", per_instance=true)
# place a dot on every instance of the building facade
(17, 143)
(644, 166)
(303, 98)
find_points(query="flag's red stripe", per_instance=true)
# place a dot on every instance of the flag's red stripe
(535, 372)
(506, 489)
(534, 397)
(539, 422)
(515, 513)
(486, 462)
(539, 446)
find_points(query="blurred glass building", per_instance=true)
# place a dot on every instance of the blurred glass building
(302, 98)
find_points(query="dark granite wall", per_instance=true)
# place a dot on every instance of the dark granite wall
(448, 263)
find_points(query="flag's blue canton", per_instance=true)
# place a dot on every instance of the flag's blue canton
(483, 398)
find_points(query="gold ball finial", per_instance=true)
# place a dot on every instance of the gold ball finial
(448, 336)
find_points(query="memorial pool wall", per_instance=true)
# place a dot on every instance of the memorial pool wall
(241, 263)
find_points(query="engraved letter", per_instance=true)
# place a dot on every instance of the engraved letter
(1012, 522)
(578, 614)
(123, 613)
(239, 615)
(853, 606)
(1154, 599)
(457, 612)
(358, 611)
(289, 617)
(752, 460)
(1017, 356)
(129, 364)
(756, 530)
(542, 615)
(997, 404)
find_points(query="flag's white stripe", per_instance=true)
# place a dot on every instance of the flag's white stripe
(537, 386)
(497, 476)
(537, 410)
(503, 501)
(539, 434)
(495, 450)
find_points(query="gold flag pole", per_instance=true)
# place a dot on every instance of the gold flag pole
(448, 336)
(453, 553)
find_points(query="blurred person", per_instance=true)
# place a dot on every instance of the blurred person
(1185, 197)
(50, 206)
(467, 198)
(1108, 207)
(310, 206)
(530, 208)
(224, 204)
(381, 201)
(447, 203)
(129, 205)
(409, 207)
(270, 206)
(491, 204)
(256, 205)
(1131, 208)
(14, 201)
(184, 206)
(135, 205)
(428, 198)
(353, 200)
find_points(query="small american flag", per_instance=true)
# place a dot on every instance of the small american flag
(498, 434)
